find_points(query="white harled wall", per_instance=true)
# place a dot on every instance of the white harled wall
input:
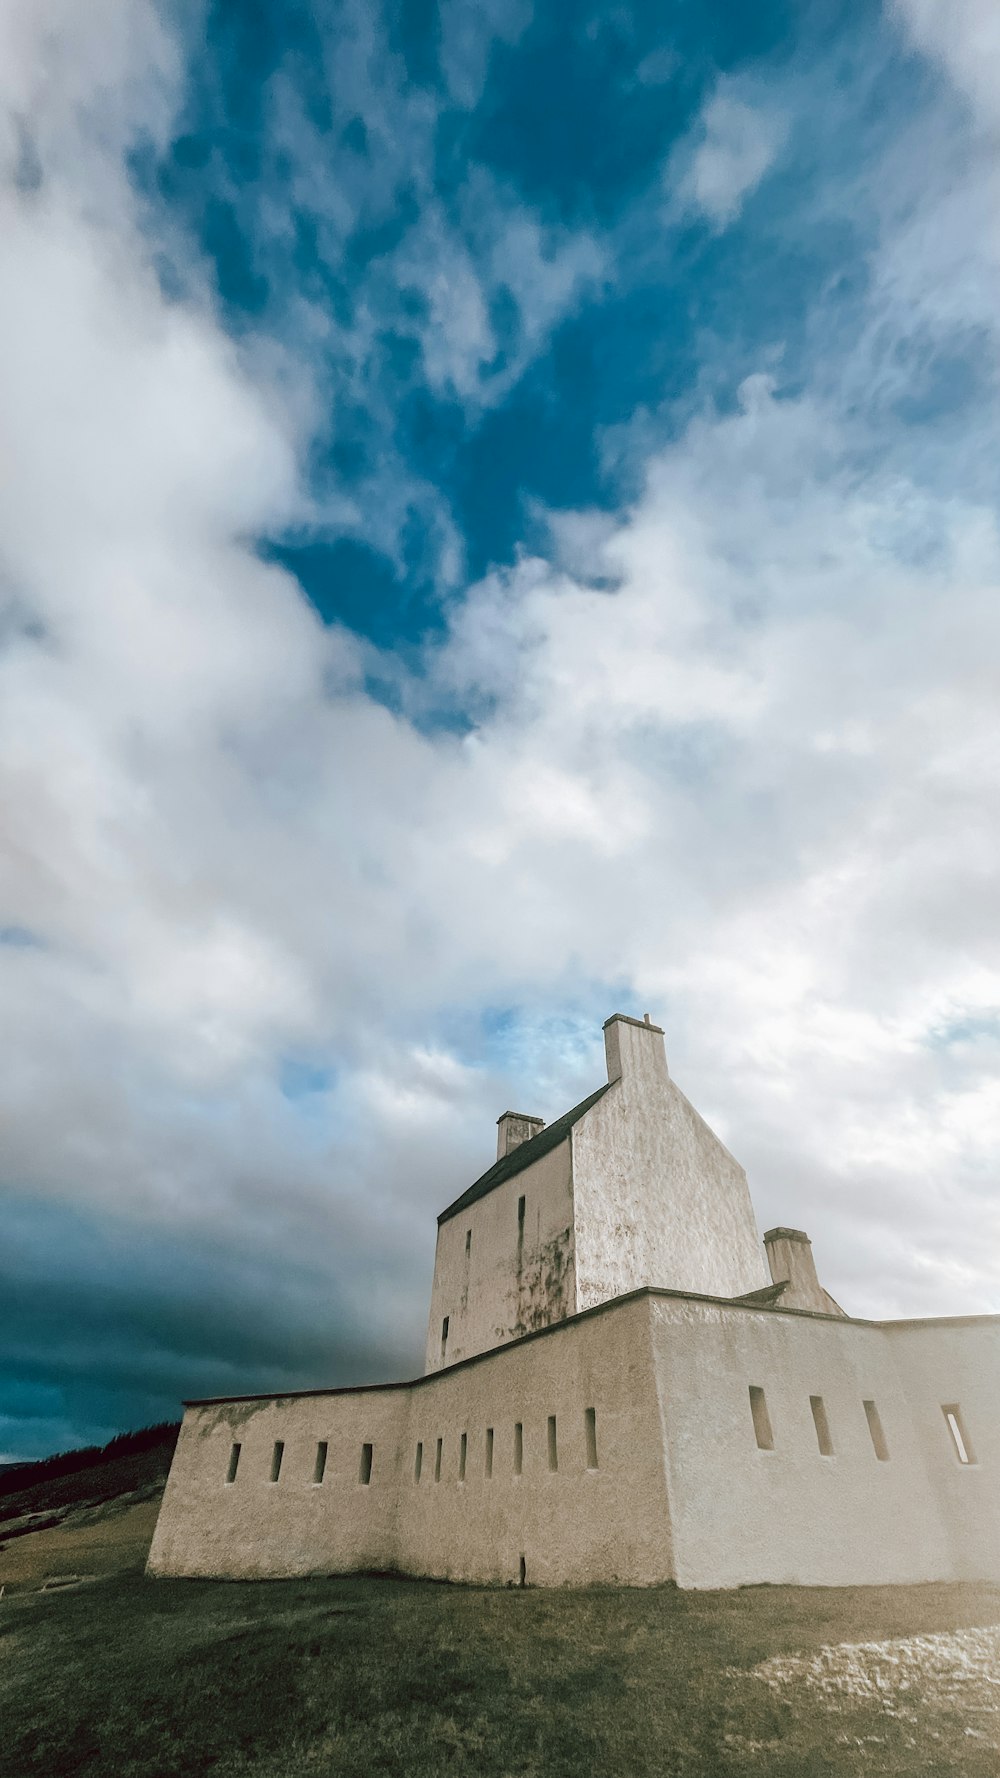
(572, 1524)
(658, 1199)
(508, 1280)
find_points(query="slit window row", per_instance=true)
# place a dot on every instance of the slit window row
(517, 1449)
(764, 1431)
(367, 1454)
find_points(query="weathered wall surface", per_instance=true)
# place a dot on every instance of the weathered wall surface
(658, 1199)
(947, 1363)
(512, 1278)
(680, 1489)
(572, 1524)
(742, 1515)
(256, 1528)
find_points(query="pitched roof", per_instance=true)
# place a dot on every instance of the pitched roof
(523, 1155)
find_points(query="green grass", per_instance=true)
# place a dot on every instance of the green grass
(129, 1678)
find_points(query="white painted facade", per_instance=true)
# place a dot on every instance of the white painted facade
(625, 1391)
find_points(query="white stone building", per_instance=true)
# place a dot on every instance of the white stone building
(619, 1387)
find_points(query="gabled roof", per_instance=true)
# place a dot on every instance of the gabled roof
(523, 1155)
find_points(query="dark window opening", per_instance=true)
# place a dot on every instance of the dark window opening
(553, 1450)
(418, 1462)
(437, 1460)
(444, 1337)
(590, 1428)
(234, 1463)
(520, 1216)
(522, 1573)
(518, 1448)
(879, 1444)
(365, 1472)
(276, 1456)
(320, 1467)
(761, 1419)
(489, 1451)
(463, 1452)
(822, 1425)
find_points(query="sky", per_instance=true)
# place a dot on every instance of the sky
(498, 526)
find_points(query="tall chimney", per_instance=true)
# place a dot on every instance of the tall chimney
(513, 1128)
(634, 1049)
(790, 1257)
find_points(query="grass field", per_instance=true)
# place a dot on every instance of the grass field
(120, 1677)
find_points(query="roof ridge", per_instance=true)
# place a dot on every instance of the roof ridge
(522, 1156)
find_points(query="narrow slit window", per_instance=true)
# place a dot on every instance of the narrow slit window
(437, 1459)
(365, 1472)
(959, 1437)
(444, 1337)
(468, 1242)
(418, 1461)
(822, 1425)
(234, 1463)
(520, 1216)
(518, 1448)
(319, 1469)
(276, 1455)
(522, 1573)
(879, 1444)
(761, 1419)
(489, 1452)
(590, 1430)
(553, 1448)
(463, 1452)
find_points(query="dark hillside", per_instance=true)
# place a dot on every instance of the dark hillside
(133, 1460)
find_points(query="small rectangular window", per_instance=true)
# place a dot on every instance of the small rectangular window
(444, 1337)
(590, 1429)
(437, 1460)
(463, 1452)
(822, 1425)
(276, 1456)
(553, 1451)
(520, 1215)
(468, 1242)
(518, 1448)
(234, 1463)
(418, 1461)
(319, 1469)
(878, 1438)
(960, 1438)
(761, 1419)
(489, 1451)
(365, 1472)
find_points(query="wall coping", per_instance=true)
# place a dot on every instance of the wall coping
(648, 1291)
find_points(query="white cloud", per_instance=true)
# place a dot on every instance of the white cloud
(731, 147)
(755, 782)
(964, 36)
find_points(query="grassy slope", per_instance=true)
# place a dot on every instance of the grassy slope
(127, 1678)
(134, 1679)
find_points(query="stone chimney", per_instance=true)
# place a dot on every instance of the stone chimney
(635, 1050)
(790, 1257)
(513, 1128)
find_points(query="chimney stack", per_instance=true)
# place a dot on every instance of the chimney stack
(634, 1049)
(790, 1257)
(513, 1128)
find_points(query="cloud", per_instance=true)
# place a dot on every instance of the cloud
(964, 37)
(278, 950)
(732, 147)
